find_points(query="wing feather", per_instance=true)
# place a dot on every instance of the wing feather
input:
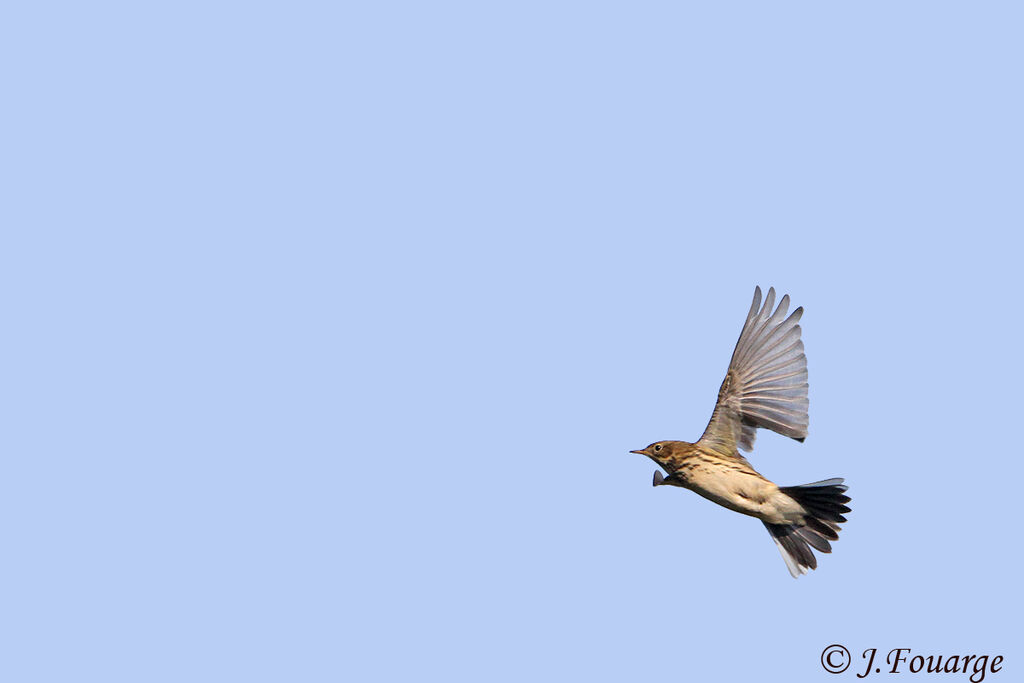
(766, 384)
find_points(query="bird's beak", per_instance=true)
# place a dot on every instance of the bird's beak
(639, 452)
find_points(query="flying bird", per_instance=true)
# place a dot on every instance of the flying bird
(765, 386)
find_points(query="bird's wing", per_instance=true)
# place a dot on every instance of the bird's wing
(766, 385)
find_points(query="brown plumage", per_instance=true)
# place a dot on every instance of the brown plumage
(765, 386)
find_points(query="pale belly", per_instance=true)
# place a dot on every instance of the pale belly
(747, 494)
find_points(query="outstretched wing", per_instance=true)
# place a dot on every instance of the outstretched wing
(766, 385)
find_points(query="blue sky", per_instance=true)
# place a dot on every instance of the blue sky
(329, 328)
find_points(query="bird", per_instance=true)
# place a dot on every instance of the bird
(764, 387)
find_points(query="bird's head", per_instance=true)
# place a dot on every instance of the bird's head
(660, 452)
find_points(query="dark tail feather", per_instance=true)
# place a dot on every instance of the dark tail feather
(794, 548)
(825, 503)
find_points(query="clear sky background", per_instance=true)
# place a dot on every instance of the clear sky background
(327, 331)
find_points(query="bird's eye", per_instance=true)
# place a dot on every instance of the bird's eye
(657, 448)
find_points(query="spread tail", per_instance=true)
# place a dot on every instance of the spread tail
(824, 503)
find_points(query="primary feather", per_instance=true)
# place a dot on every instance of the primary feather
(766, 384)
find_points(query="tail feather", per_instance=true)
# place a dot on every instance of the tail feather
(824, 502)
(822, 528)
(815, 540)
(795, 550)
